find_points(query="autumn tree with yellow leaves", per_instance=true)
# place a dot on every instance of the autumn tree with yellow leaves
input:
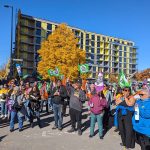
(140, 76)
(61, 50)
(3, 71)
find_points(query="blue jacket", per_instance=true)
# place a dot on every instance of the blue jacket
(143, 125)
(123, 111)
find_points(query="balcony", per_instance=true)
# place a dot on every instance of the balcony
(29, 33)
(22, 23)
(27, 41)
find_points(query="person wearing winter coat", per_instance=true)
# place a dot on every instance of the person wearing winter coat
(97, 103)
(34, 105)
(18, 109)
(141, 119)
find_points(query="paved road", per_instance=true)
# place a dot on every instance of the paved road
(48, 139)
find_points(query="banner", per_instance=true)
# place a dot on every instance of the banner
(84, 68)
(18, 69)
(99, 85)
(123, 82)
(50, 72)
(55, 72)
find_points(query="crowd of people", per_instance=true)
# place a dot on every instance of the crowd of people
(128, 107)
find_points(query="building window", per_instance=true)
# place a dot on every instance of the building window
(81, 47)
(87, 42)
(98, 38)
(87, 49)
(87, 55)
(38, 24)
(120, 65)
(81, 41)
(125, 60)
(87, 36)
(91, 62)
(125, 54)
(98, 57)
(56, 26)
(49, 26)
(120, 47)
(104, 38)
(98, 50)
(120, 53)
(133, 66)
(48, 33)
(38, 40)
(120, 59)
(92, 56)
(37, 47)
(93, 43)
(125, 49)
(81, 35)
(130, 60)
(92, 50)
(124, 65)
(94, 75)
(130, 55)
(94, 69)
(93, 37)
(98, 44)
(38, 32)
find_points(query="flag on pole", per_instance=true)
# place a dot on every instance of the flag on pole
(39, 85)
(83, 68)
(50, 72)
(99, 85)
(18, 67)
(56, 72)
(123, 82)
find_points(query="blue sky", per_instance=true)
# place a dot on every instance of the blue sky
(128, 19)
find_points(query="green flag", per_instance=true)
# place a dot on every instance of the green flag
(39, 85)
(83, 68)
(48, 86)
(123, 82)
(50, 72)
(56, 72)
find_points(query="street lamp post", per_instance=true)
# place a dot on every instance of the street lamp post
(11, 38)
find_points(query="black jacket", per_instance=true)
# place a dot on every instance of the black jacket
(63, 94)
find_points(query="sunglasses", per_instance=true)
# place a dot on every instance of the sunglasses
(141, 95)
(125, 90)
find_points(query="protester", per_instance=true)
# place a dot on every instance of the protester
(97, 103)
(59, 93)
(34, 98)
(18, 109)
(44, 96)
(123, 118)
(3, 101)
(109, 97)
(141, 119)
(76, 99)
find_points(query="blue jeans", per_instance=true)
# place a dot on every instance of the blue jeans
(26, 104)
(99, 119)
(50, 103)
(57, 109)
(4, 110)
(42, 104)
(12, 120)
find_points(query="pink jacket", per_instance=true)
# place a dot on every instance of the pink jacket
(97, 104)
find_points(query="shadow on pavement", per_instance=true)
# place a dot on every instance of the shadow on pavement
(1, 137)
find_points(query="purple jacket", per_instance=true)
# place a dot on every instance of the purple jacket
(97, 104)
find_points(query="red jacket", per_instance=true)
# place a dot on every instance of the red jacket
(97, 104)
